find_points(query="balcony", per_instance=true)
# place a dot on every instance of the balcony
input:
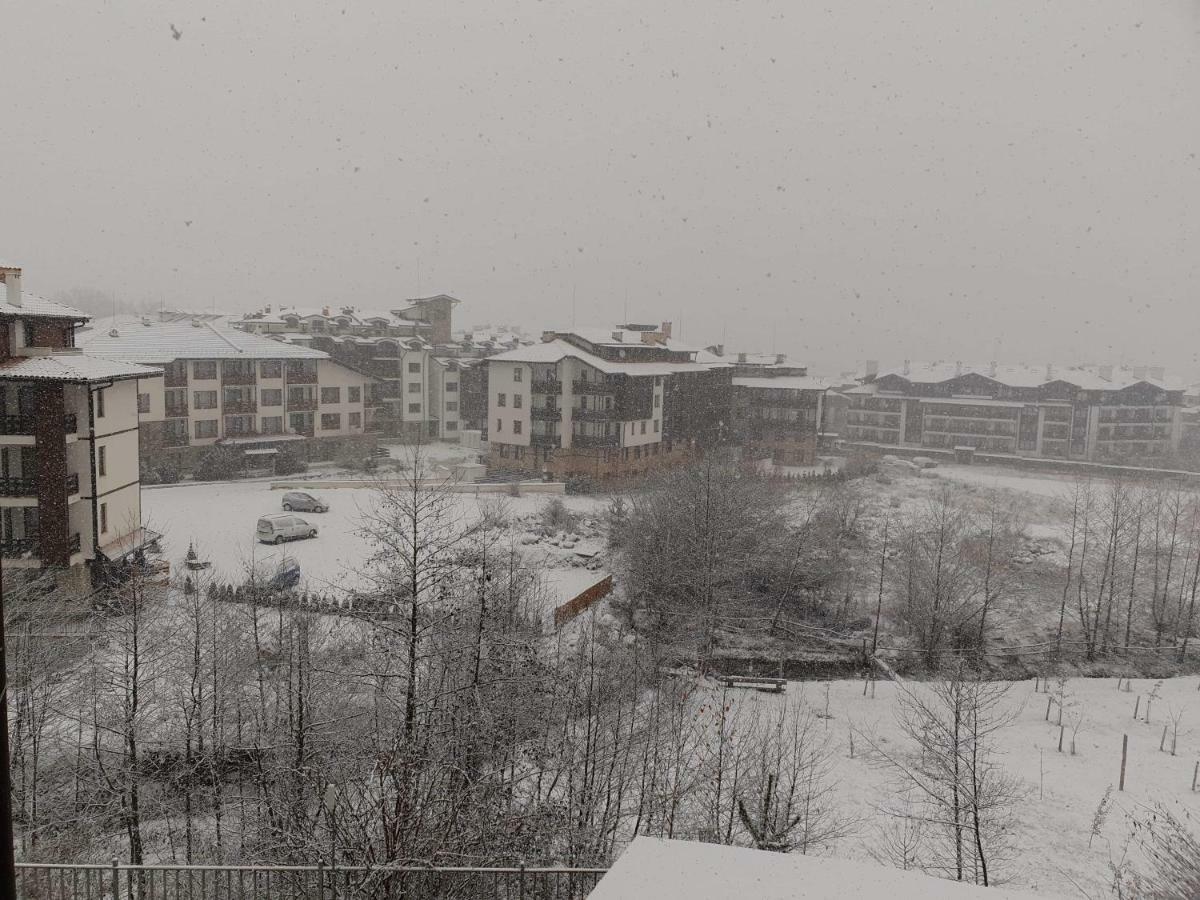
(26, 425)
(176, 411)
(76, 543)
(546, 386)
(175, 379)
(307, 404)
(235, 378)
(305, 430)
(15, 548)
(374, 402)
(545, 440)
(236, 407)
(301, 376)
(545, 414)
(588, 441)
(73, 483)
(592, 387)
(594, 415)
(175, 439)
(18, 487)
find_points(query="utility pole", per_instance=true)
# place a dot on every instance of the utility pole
(8, 865)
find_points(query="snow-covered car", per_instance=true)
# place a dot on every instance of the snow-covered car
(275, 529)
(299, 501)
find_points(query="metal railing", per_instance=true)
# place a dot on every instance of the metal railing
(73, 483)
(545, 413)
(545, 386)
(50, 881)
(18, 487)
(580, 386)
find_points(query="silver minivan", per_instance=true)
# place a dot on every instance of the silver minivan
(274, 529)
(299, 501)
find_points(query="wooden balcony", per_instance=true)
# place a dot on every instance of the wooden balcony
(546, 386)
(308, 404)
(240, 407)
(589, 441)
(545, 414)
(592, 387)
(300, 376)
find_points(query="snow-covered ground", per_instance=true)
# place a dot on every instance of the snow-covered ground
(220, 519)
(1053, 821)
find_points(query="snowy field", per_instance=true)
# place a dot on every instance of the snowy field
(220, 519)
(1053, 822)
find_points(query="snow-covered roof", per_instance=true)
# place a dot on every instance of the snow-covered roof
(785, 382)
(142, 341)
(73, 367)
(33, 305)
(556, 350)
(1092, 378)
(655, 869)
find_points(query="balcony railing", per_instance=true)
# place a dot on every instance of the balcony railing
(176, 411)
(594, 415)
(307, 404)
(73, 483)
(592, 387)
(546, 386)
(19, 424)
(306, 430)
(234, 407)
(175, 439)
(238, 378)
(18, 487)
(76, 543)
(545, 414)
(545, 440)
(175, 379)
(14, 548)
(71, 423)
(587, 441)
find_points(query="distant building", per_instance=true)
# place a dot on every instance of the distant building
(603, 403)
(70, 491)
(1096, 413)
(224, 386)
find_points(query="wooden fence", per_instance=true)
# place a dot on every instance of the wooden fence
(572, 608)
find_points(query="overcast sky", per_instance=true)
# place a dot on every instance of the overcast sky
(838, 180)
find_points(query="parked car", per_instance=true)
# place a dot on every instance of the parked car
(298, 501)
(274, 529)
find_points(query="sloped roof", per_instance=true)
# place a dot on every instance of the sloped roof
(558, 349)
(73, 367)
(785, 382)
(1092, 378)
(164, 342)
(33, 305)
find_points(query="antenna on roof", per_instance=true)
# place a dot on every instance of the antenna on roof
(572, 307)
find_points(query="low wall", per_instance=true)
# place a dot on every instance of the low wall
(461, 487)
(572, 608)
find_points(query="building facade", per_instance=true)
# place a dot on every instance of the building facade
(221, 386)
(1098, 414)
(70, 491)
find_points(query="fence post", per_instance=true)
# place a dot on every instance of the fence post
(1124, 755)
(521, 882)
(116, 875)
(320, 879)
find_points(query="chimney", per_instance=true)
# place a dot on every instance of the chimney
(872, 368)
(666, 330)
(12, 282)
(992, 369)
(1158, 373)
(741, 357)
(548, 336)
(1106, 372)
(957, 367)
(325, 311)
(907, 367)
(780, 359)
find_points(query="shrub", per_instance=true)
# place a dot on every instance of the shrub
(580, 484)
(860, 466)
(219, 464)
(557, 517)
(288, 462)
(170, 473)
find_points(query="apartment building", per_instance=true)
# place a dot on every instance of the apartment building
(226, 386)
(603, 403)
(70, 493)
(1094, 413)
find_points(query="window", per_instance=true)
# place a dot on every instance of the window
(356, 420)
(517, 427)
(414, 368)
(206, 369)
(354, 394)
(517, 374)
(451, 406)
(451, 387)
(100, 404)
(657, 401)
(414, 408)
(414, 387)
(516, 401)
(143, 403)
(452, 426)
(204, 399)
(102, 461)
(331, 421)
(499, 426)
(206, 428)
(643, 427)
(272, 424)
(331, 395)
(103, 518)
(656, 426)
(502, 399)
(272, 368)
(271, 397)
